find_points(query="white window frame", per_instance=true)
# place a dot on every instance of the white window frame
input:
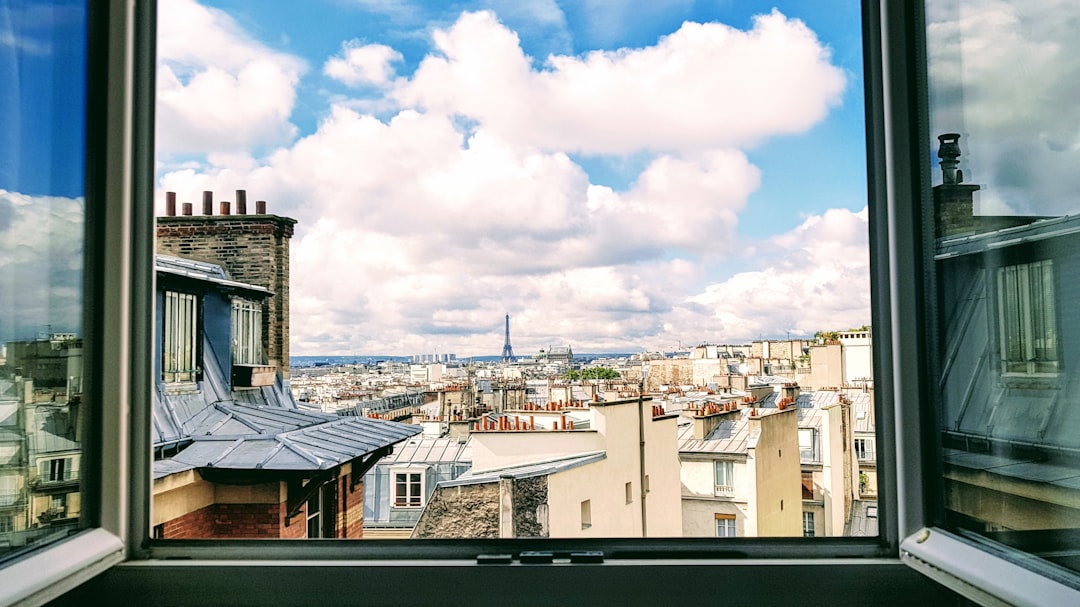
(864, 449)
(180, 337)
(1024, 311)
(247, 321)
(808, 525)
(725, 526)
(421, 499)
(724, 470)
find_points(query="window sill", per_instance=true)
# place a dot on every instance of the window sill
(52, 570)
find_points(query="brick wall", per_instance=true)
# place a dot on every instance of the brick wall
(297, 527)
(350, 523)
(246, 521)
(198, 524)
(253, 249)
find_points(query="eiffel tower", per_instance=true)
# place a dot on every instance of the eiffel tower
(508, 352)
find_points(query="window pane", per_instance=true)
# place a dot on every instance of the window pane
(590, 196)
(1005, 118)
(42, 209)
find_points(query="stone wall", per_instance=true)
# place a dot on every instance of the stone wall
(464, 511)
(530, 507)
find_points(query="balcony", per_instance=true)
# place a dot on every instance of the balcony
(253, 376)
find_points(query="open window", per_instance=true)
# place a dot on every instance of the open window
(925, 457)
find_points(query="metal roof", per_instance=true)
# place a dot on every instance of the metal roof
(1041, 229)
(429, 450)
(732, 435)
(206, 272)
(314, 447)
(542, 468)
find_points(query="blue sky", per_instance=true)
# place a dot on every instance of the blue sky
(615, 175)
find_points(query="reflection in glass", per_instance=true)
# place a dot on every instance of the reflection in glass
(1007, 261)
(42, 101)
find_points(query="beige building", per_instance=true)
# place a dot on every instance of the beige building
(740, 472)
(830, 471)
(566, 471)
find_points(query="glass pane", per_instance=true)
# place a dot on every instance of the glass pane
(499, 224)
(1005, 121)
(42, 209)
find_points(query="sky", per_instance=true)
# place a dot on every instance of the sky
(615, 176)
(42, 147)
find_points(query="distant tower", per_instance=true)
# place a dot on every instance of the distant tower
(508, 352)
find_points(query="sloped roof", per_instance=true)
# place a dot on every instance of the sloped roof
(429, 450)
(206, 272)
(314, 447)
(543, 468)
(731, 435)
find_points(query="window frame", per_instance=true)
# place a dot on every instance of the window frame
(422, 482)
(118, 333)
(894, 76)
(1026, 331)
(181, 337)
(728, 467)
(247, 318)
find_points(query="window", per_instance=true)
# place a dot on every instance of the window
(57, 470)
(808, 485)
(246, 332)
(314, 515)
(629, 492)
(7, 524)
(808, 445)
(586, 514)
(1026, 319)
(725, 525)
(808, 524)
(408, 489)
(135, 581)
(725, 478)
(180, 351)
(864, 449)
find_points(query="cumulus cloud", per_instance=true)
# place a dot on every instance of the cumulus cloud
(41, 257)
(419, 229)
(681, 93)
(816, 277)
(363, 64)
(217, 88)
(1005, 78)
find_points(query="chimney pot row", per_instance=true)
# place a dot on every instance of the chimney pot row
(225, 207)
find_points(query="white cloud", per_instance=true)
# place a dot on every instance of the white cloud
(1005, 78)
(361, 64)
(420, 231)
(704, 86)
(816, 277)
(41, 258)
(218, 89)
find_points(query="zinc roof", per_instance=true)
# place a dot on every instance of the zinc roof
(315, 447)
(543, 468)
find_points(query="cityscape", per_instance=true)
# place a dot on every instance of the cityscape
(550, 444)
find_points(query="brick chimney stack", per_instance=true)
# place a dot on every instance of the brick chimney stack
(251, 248)
(954, 207)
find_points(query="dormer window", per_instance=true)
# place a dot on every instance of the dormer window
(1027, 323)
(180, 350)
(246, 332)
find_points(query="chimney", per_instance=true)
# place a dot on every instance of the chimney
(170, 204)
(709, 419)
(251, 249)
(260, 207)
(954, 207)
(241, 202)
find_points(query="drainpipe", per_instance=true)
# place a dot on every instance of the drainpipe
(641, 452)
